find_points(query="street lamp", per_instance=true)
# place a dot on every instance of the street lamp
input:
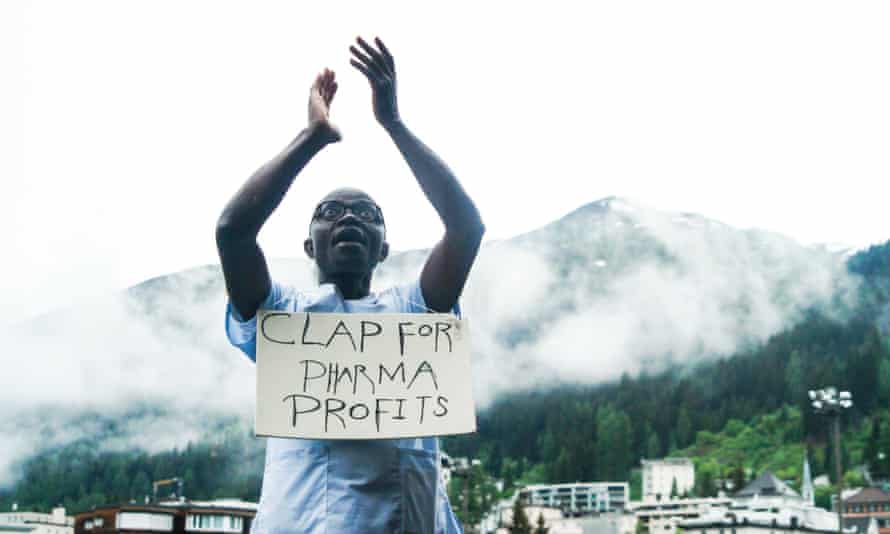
(463, 467)
(830, 403)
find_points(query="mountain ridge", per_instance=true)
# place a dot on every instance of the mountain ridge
(601, 292)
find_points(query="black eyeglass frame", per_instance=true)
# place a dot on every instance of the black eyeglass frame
(378, 218)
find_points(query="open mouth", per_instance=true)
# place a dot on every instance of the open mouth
(349, 234)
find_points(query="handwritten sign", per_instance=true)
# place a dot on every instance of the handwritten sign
(362, 375)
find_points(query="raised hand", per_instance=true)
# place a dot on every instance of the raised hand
(379, 68)
(320, 96)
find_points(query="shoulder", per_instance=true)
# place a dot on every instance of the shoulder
(407, 298)
(282, 297)
(402, 298)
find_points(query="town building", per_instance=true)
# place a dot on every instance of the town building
(767, 504)
(869, 503)
(862, 525)
(743, 520)
(37, 523)
(550, 515)
(767, 491)
(578, 498)
(661, 476)
(807, 490)
(663, 515)
(224, 516)
(499, 520)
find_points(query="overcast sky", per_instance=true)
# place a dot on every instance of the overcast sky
(128, 125)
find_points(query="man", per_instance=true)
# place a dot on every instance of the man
(352, 486)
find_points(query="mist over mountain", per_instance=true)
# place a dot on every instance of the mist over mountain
(613, 287)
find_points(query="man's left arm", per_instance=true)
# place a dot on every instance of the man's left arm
(449, 263)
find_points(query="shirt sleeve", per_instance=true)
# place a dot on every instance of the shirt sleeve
(410, 298)
(241, 333)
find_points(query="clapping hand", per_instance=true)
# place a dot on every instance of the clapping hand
(320, 96)
(379, 68)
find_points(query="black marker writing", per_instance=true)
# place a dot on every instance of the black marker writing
(424, 367)
(296, 411)
(266, 335)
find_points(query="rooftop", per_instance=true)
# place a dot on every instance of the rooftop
(668, 461)
(869, 495)
(766, 485)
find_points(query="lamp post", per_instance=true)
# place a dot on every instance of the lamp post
(463, 467)
(830, 403)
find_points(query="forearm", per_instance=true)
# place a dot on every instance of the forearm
(252, 205)
(441, 187)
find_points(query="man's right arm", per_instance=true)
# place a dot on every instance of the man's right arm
(244, 267)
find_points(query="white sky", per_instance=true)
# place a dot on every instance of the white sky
(128, 125)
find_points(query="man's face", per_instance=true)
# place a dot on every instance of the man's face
(346, 235)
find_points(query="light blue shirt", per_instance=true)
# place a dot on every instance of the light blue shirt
(347, 486)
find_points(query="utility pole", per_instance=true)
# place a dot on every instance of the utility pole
(830, 403)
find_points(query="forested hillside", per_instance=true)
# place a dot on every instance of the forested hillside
(710, 410)
(707, 411)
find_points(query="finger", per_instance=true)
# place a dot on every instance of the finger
(390, 62)
(325, 91)
(328, 81)
(363, 70)
(321, 82)
(368, 63)
(378, 59)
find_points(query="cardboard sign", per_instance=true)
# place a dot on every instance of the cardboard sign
(363, 375)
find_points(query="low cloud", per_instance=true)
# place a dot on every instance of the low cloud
(613, 288)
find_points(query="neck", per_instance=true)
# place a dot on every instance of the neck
(351, 286)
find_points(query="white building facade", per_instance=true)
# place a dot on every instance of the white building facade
(659, 477)
(663, 515)
(37, 523)
(578, 498)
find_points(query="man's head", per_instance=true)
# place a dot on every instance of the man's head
(347, 235)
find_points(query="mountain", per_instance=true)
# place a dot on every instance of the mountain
(613, 289)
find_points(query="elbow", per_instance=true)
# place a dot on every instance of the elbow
(227, 231)
(477, 227)
(224, 230)
(471, 231)
(479, 230)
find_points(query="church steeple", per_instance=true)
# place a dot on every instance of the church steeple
(806, 488)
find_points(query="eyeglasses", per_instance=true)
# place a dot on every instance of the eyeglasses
(331, 210)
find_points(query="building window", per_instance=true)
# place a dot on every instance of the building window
(215, 522)
(144, 521)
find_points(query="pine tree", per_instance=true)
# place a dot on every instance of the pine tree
(871, 447)
(704, 483)
(737, 477)
(520, 524)
(684, 428)
(653, 446)
(882, 453)
(496, 460)
(884, 380)
(141, 487)
(541, 527)
(615, 443)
